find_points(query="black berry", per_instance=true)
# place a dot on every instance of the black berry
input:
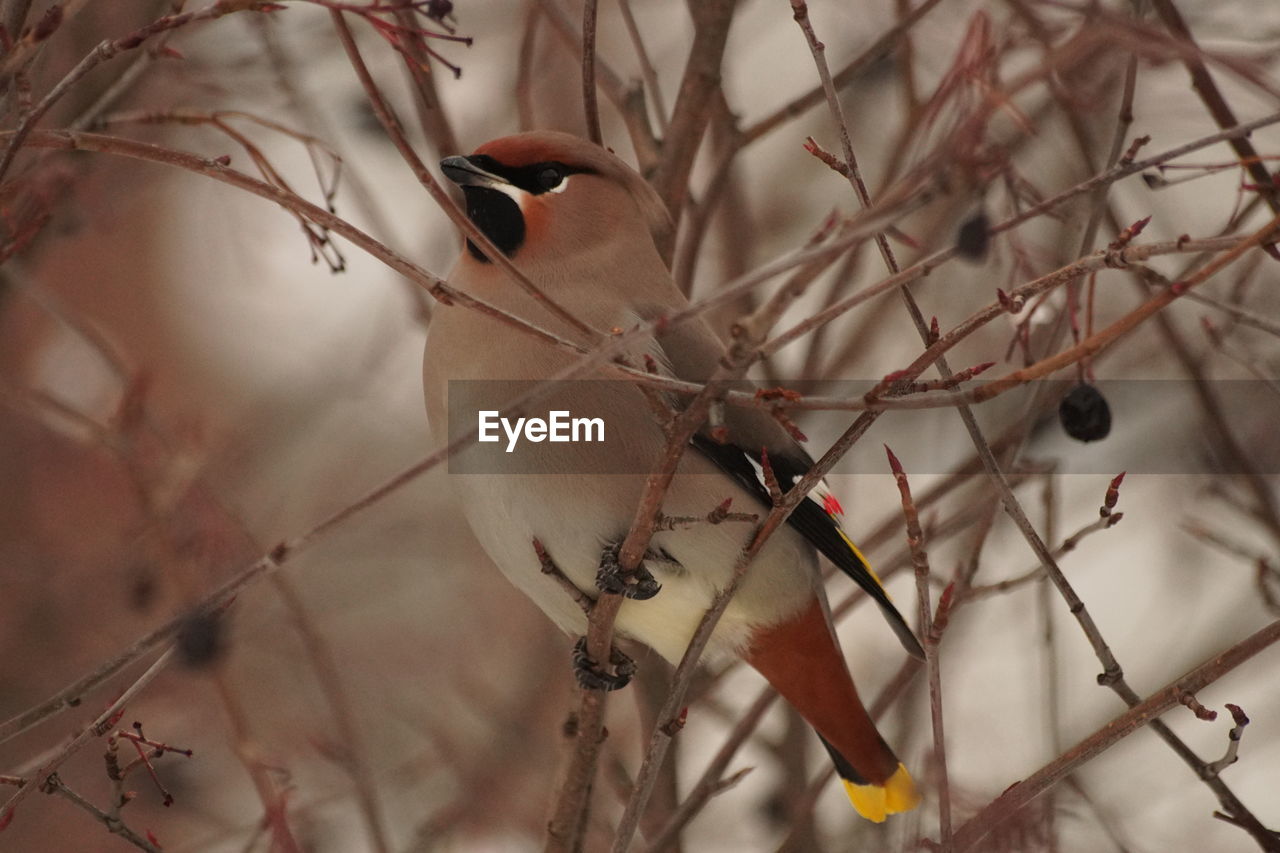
(1084, 413)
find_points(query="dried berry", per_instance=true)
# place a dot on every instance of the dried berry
(972, 238)
(200, 640)
(1084, 413)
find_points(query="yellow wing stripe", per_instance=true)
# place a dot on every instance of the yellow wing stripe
(865, 564)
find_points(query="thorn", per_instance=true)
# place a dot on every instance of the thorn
(721, 512)
(1127, 235)
(969, 372)
(1011, 304)
(1112, 495)
(1132, 152)
(770, 479)
(894, 465)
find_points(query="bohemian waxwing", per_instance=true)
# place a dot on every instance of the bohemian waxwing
(584, 228)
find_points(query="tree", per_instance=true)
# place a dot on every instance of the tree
(224, 510)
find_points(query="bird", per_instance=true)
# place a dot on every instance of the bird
(586, 228)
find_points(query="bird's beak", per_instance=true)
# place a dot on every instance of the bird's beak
(464, 173)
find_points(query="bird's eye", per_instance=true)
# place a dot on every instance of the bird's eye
(550, 177)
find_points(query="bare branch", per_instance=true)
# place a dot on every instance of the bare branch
(969, 835)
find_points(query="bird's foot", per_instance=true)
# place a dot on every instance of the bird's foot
(638, 584)
(591, 676)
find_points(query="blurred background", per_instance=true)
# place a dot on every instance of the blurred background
(185, 383)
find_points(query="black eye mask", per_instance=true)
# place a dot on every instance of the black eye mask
(496, 213)
(535, 178)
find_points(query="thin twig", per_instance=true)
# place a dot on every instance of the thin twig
(713, 774)
(589, 105)
(920, 561)
(925, 266)
(1202, 82)
(108, 49)
(99, 727)
(647, 72)
(55, 785)
(330, 680)
(632, 109)
(219, 171)
(417, 62)
(870, 55)
(689, 116)
(969, 835)
(391, 125)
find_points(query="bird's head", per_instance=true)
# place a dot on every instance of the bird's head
(553, 194)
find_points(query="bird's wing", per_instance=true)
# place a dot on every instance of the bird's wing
(692, 351)
(817, 518)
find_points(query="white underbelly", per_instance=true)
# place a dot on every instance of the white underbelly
(573, 516)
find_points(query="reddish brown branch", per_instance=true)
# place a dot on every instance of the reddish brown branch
(691, 113)
(589, 104)
(1018, 795)
(103, 723)
(110, 48)
(1217, 105)
(930, 637)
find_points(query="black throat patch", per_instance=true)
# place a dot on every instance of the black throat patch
(498, 216)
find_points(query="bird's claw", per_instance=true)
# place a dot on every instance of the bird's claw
(591, 676)
(639, 584)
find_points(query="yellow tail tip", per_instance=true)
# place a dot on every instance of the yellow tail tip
(876, 802)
